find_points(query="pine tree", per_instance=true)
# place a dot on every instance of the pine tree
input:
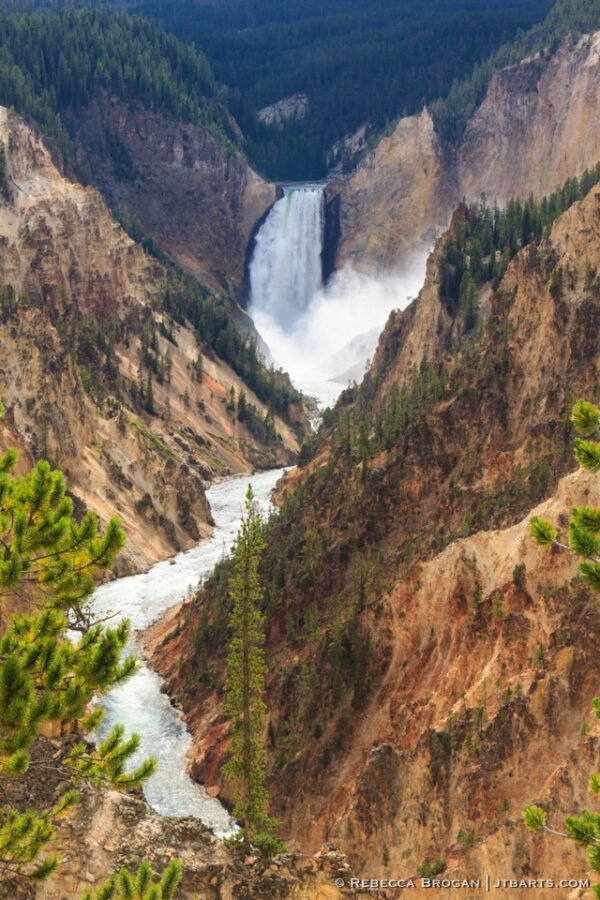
(199, 368)
(139, 886)
(242, 407)
(4, 188)
(49, 560)
(149, 394)
(246, 672)
(584, 543)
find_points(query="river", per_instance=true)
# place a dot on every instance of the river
(139, 704)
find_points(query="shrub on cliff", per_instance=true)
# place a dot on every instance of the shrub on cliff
(584, 543)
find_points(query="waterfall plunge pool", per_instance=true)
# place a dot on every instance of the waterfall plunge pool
(139, 704)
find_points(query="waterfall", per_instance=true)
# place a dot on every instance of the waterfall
(285, 271)
(322, 336)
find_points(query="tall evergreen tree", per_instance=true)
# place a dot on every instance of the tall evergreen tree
(149, 394)
(247, 669)
(584, 543)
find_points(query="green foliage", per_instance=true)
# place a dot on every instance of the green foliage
(584, 525)
(4, 188)
(139, 885)
(485, 239)
(50, 559)
(587, 454)
(55, 62)
(543, 533)
(586, 517)
(519, 575)
(534, 818)
(262, 427)
(591, 574)
(585, 418)
(246, 672)
(583, 543)
(431, 868)
(467, 837)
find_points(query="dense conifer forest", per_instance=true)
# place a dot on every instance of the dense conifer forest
(358, 66)
(356, 62)
(57, 61)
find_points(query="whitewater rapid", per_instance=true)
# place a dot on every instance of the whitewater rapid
(139, 704)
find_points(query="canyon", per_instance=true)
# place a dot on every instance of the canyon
(387, 738)
(431, 669)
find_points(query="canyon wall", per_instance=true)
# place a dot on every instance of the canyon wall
(198, 199)
(536, 126)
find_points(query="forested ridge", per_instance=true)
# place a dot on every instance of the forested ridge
(357, 63)
(358, 66)
(53, 62)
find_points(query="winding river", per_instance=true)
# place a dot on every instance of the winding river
(139, 704)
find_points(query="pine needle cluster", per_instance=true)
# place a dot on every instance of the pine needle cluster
(55, 659)
(139, 885)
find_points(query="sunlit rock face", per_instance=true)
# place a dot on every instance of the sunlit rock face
(536, 127)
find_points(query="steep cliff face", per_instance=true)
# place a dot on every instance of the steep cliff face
(198, 200)
(432, 670)
(392, 203)
(72, 281)
(536, 127)
(485, 705)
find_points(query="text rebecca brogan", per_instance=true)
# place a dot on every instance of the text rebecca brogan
(487, 884)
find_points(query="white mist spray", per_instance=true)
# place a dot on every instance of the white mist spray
(322, 336)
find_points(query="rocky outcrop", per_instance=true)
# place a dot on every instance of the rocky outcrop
(391, 204)
(198, 199)
(290, 109)
(109, 830)
(536, 127)
(70, 278)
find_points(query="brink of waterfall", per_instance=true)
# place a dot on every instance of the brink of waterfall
(286, 270)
